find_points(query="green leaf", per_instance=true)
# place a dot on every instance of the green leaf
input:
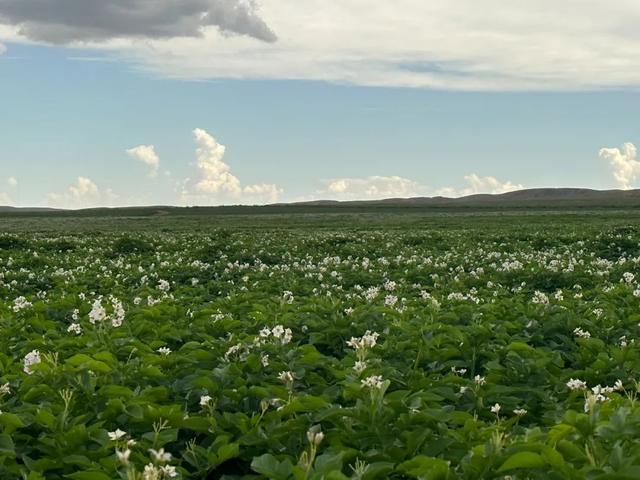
(328, 462)
(427, 468)
(269, 466)
(89, 475)
(6, 444)
(522, 460)
(11, 422)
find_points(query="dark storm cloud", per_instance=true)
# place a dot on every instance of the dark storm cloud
(64, 21)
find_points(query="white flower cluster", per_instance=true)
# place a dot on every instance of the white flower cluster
(366, 342)
(164, 286)
(279, 333)
(540, 298)
(98, 313)
(287, 297)
(75, 328)
(578, 332)
(21, 303)
(598, 394)
(30, 359)
(373, 382)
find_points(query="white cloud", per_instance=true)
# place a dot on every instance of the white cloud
(84, 193)
(488, 184)
(370, 188)
(215, 182)
(267, 193)
(626, 169)
(5, 199)
(147, 155)
(2, 49)
(12, 181)
(374, 188)
(543, 44)
(477, 184)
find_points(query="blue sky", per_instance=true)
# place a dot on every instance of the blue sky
(71, 112)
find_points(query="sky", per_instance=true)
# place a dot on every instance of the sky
(208, 102)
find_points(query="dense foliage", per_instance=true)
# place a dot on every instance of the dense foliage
(460, 353)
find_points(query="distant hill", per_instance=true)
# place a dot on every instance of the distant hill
(536, 198)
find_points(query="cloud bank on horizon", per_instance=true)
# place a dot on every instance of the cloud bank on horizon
(542, 45)
(214, 184)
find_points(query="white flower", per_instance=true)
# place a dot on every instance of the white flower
(169, 471)
(265, 332)
(21, 303)
(97, 313)
(576, 384)
(367, 341)
(5, 389)
(286, 377)
(496, 408)
(205, 400)
(117, 434)
(32, 358)
(160, 455)
(479, 380)
(578, 332)
(164, 286)
(520, 412)
(151, 472)
(360, 366)
(540, 298)
(123, 456)
(390, 300)
(374, 381)
(164, 351)
(287, 297)
(315, 437)
(264, 359)
(288, 335)
(118, 313)
(75, 328)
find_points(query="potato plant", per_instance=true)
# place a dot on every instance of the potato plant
(460, 353)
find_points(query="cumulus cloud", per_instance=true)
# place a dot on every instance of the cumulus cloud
(626, 168)
(370, 188)
(377, 187)
(5, 199)
(216, 183)
(12, 181)
(488, 184)
(267, 192)
(68, 21)
(476, 184)
(147, 155)
(83, 193)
